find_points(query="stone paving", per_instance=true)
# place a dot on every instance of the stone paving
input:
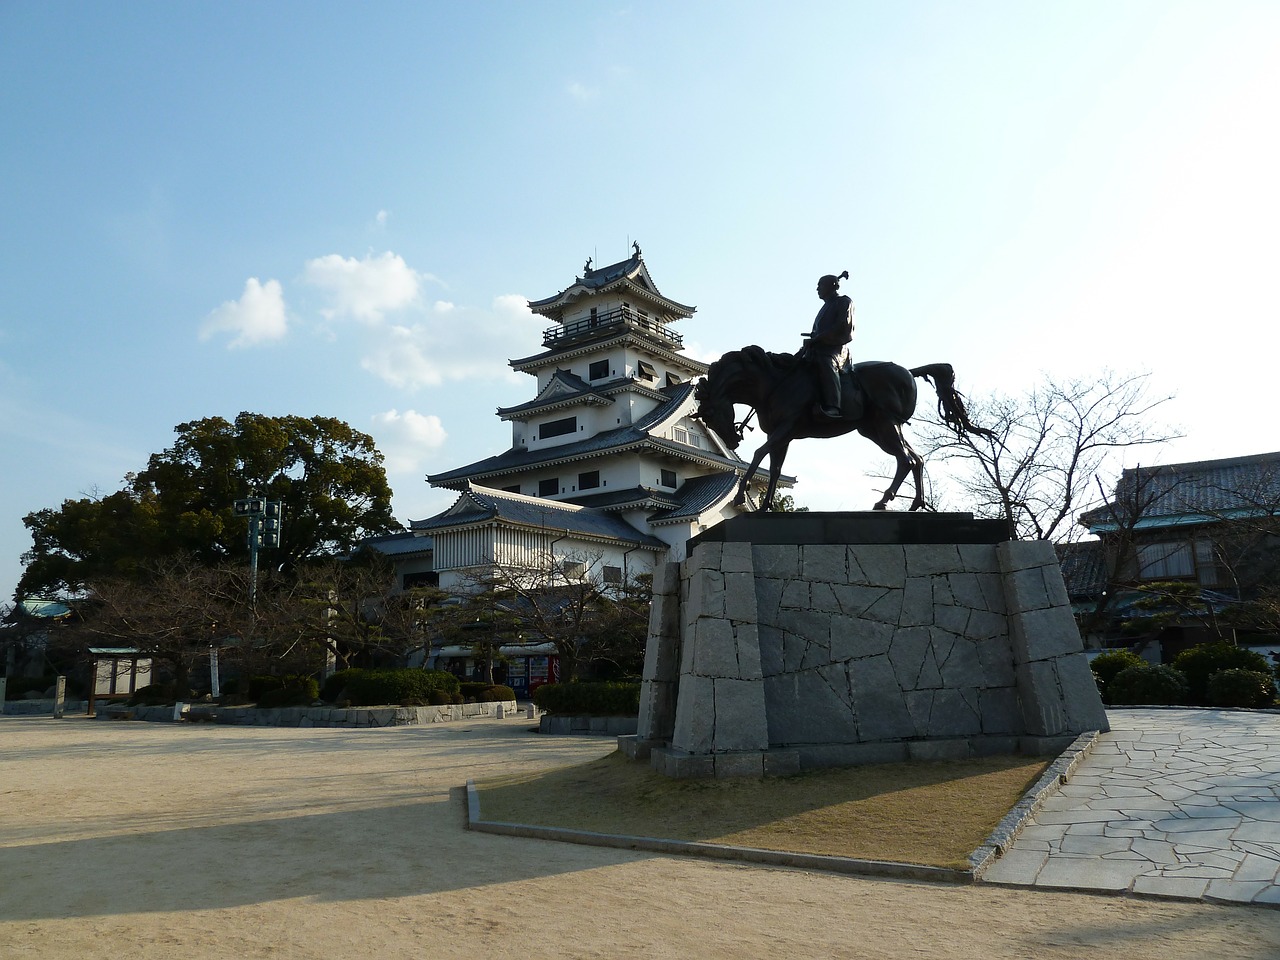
(1177, 803)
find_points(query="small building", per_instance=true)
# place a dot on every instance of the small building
(1184, 553)
(118, 672)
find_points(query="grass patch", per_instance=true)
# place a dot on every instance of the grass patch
(934, 814)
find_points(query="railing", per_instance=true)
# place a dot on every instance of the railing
(619, 317)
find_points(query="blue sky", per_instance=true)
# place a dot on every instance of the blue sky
(319, 208)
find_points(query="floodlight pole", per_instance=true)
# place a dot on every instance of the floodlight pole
(265, 519)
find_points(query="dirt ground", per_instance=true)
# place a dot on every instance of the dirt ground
(161, 841)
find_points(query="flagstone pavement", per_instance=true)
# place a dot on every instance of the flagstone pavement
(1179, 803)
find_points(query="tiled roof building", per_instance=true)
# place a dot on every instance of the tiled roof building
(605, 461)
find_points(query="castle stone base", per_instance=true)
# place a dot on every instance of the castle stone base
(791, 641)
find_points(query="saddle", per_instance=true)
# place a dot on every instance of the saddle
(853, 399)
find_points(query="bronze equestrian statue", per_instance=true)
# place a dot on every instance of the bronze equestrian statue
(873, 397)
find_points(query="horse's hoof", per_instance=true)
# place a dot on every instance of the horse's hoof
(881, 506)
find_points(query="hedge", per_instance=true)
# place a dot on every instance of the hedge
(365, 688)
(1149, 685)
(1241, 688)
(591, 699)
(477, 691)
(1201, 662)
(1106, 666)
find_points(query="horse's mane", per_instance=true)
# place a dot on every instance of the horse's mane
(753, 360)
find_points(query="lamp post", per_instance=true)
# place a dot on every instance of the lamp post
(265, 518)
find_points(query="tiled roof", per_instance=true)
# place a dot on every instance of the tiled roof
(630, 497)
(696, 496)
(630, 273)
(1199, 492)
(1084, 567)
(572, 389)
(483, 504)
(621, 437)
(399, 544)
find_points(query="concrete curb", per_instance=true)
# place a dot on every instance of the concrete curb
(1013, 822)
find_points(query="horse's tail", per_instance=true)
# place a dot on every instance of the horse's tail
(951, 406)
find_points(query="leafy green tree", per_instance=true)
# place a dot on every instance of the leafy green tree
(329, 477)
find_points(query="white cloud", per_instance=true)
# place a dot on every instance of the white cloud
(365, 289)
(381, 218)
(258, 316)
(583, 93)
(457, 344)
(405, 438)
(442, 306)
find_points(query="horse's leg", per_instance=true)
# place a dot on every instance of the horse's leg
(776, 456)
(888, 437)
(917, 471)
(741, 498)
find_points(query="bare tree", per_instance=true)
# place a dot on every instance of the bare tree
(174, 616)
(349, 608)
(1037, 467)
(562, 600)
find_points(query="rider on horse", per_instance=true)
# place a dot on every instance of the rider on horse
(825, 346)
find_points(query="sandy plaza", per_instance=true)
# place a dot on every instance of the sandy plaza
(159, 840)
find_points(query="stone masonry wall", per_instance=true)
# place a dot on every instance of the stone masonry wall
(823, 654)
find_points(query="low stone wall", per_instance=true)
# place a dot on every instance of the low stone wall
(27, 708)
(607, 726)
(786, 642)
(388, 716)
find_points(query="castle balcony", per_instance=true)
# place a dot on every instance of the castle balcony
(609, 324)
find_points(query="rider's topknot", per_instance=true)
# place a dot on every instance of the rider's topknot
(834, 280)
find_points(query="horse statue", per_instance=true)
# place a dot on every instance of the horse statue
(879, 397)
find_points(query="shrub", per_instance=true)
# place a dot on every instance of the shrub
(481, 692)
(1149, 684)
(259, 686)
(604, 699)
(297, 691)
(369, 687)
(153, 695)
(1237, 687)
(1105, 666)
(1201, 662)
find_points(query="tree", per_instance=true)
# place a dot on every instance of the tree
(558, 600)
(787, 504)
(348, 607)
(1037, 468)
(174, 613)
(329, 477)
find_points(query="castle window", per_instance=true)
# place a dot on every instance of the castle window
(549, 488)
(680, 435)
(598, 370)
(668, 478)
(646, 370)
(557, 428)
(672, 379)
(612, 574)
(589, 480)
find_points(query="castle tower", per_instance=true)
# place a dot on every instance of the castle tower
(605, 457)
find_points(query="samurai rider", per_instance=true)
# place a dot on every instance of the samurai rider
(825, 346)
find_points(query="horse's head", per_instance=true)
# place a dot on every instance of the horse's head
(715, 409)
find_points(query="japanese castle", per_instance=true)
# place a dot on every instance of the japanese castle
(607, 473)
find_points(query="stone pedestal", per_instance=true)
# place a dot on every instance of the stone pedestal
(789, 641)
